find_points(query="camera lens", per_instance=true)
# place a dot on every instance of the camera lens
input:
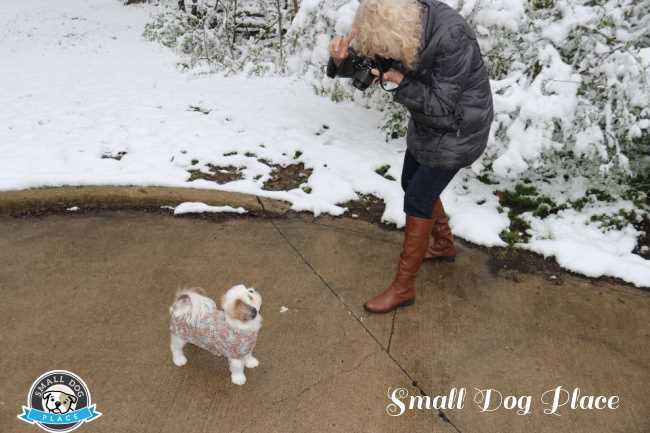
(360, 84)
(362, 79)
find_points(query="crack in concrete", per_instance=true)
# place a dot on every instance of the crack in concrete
(262, 205)
(326, 284)
(443, 417)
(386, 350)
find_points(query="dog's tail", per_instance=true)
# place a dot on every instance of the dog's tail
(190, 306)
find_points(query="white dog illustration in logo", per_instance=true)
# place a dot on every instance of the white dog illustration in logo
(59, 399)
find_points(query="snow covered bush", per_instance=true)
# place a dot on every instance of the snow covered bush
(574, 87)
(225, 35)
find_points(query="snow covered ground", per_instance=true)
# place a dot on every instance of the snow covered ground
(86, 101)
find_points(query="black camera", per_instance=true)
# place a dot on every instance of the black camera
(362, 77)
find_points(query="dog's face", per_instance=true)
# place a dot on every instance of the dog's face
(58, 402)
(242, 303)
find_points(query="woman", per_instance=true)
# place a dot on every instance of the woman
(443, 82)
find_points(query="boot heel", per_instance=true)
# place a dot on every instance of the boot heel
(407, 303)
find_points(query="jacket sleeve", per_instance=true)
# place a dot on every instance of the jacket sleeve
(345, 69)
(437, 103)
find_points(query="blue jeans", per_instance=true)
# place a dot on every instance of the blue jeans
(422, 186)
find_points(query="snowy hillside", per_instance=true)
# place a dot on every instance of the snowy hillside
(88, 100)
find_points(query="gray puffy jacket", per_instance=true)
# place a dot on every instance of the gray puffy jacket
(448, 94)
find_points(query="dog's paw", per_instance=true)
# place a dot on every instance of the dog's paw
(238, 379)
(180, 361)
(251, 362)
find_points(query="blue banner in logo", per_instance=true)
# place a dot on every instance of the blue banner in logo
(34, 415)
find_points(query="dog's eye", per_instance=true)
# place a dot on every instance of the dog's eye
(251, 291)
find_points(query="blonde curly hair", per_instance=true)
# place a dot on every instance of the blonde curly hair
(389, 28)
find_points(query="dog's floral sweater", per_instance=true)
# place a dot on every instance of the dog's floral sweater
(215, 335)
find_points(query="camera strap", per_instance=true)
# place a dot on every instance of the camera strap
(381, 83)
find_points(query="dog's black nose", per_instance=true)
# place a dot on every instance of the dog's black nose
(253, 313)
(57, 403)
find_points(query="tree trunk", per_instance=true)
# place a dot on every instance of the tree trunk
(279, 7)
(234, 27)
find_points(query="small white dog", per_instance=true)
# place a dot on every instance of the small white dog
(230, 332)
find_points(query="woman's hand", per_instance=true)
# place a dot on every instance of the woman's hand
(391, 75)
(339, 46)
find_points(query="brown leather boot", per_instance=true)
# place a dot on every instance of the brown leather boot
(441, 244)
(401, 291)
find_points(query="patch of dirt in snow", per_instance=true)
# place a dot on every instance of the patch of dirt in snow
(368, 208)
(643, 242)
(383, 172)
(217, 174)
(116, 156)
(288, 178)
(510, 263)
(513, 264)
(199, 109)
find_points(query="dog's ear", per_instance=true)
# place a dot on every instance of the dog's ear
(73, 398)
(46, 395)
(239, 310)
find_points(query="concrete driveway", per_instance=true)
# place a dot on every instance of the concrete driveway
(90, 293)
